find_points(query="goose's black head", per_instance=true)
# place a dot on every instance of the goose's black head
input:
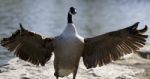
(72, 11)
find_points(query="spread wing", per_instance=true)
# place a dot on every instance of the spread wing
(104, 48)
(29, 46)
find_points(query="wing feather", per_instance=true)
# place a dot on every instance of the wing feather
(29, 46)
(111, 46)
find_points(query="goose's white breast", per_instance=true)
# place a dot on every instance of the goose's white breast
(68, 50)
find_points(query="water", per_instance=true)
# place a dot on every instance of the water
(48, 17)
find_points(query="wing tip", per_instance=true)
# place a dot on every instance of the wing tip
(134, 26)
(144, 29)
(21, 27)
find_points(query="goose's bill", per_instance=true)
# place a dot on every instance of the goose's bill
(74, 12)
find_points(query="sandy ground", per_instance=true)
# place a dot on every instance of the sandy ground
(130, 66)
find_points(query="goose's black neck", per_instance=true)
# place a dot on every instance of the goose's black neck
(69, 18)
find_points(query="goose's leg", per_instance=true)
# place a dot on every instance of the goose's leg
(56, 72)
(75, 71)
(56, 75)
(74, 75)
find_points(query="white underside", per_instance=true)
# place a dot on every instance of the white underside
(65, 72)
(68, 50)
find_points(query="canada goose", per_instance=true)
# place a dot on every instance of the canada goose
(69, 47)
